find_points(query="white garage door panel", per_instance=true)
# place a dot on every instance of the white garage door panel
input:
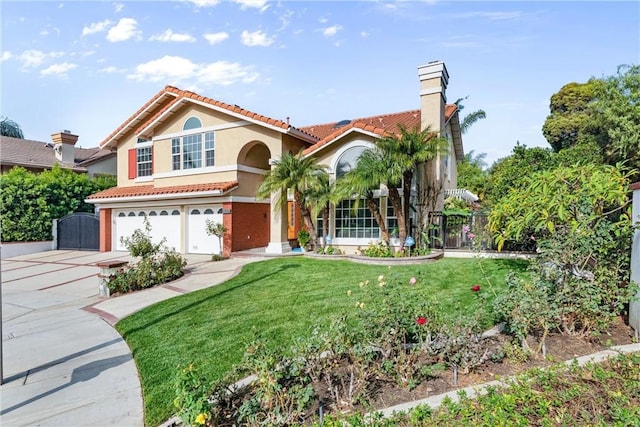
(162, 226)
(198, 241)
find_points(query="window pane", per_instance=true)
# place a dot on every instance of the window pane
(360, 224)
(175, 153)
(348, 160)
(143, 157)
(192, 151)
(209, 149)
(192, 123)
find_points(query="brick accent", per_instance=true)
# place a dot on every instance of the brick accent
(635, 186)
(250, 227)
(105, 230)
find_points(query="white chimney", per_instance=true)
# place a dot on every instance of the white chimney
(433, 94)
(64, 146)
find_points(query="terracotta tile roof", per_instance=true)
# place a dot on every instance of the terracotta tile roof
(136, 117)
(342, 130)
(150, 115)
(388, 122)
(40, 155)
(150, 190)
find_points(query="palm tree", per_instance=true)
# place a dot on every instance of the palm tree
(299, 174)
(362, 181)
(322, 197)
(402, 154)
(470, 118)
(10, 128)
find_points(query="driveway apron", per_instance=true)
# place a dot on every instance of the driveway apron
(63, 366)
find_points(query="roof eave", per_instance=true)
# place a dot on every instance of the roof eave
(169, 196)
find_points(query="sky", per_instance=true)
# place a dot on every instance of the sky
(86, 66)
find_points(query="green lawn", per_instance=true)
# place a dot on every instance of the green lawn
(279, 300)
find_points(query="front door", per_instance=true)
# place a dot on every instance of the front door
(291, 221)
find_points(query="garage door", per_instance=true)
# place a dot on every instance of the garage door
(198, 241)
(165, 224)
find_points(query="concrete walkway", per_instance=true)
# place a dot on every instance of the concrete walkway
(64, 364)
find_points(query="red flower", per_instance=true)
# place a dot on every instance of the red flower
(421, 320)
(475, 288)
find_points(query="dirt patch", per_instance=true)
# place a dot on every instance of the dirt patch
(559, 348)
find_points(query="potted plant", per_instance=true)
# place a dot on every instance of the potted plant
(303, 239)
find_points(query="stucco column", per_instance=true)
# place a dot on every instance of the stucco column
(278, 242)
(634, 306)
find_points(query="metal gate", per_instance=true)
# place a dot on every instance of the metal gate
(79, 231)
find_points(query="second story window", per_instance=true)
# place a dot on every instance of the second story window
(144, 161)
(194, 150)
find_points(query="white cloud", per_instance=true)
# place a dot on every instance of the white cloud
(257, 4)
(332, 30)
(323, 20)
(6, 55)
(118, 7)
(215, 38)
(125, 29)
(204, 3)
(226, 73)
(111, 69)
(59, 70)
(32, 58)
(364, 34)
(492, 16)
(95, 27)
(257, 38)
(172, 68)
(175, 69)
(170, 36)
(285, 20)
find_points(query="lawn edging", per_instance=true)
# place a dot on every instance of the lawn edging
(360, 259)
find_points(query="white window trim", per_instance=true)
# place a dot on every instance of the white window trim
(210, 169)
(340, 152)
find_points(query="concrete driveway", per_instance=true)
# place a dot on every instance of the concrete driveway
(64, 364)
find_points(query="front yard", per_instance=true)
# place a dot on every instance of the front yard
(278, 301)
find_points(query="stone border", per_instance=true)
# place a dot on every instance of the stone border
(410, 260)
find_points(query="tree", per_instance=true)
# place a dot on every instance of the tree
(510, 171)
(618, 103)
(581, 220)
(10, 128)
(299, 174)
(571, 120)
(323, 196)
(360, 182)
(472, 173)
(471, 118)
(216, 229)
(30, 202)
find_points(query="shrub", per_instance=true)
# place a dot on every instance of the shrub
(157, 264)
(376, 250)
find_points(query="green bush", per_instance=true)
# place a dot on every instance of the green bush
(157, 264)
(30, 202)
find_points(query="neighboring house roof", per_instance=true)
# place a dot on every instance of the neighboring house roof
(381, 125)
(152, 192)
(40, 155)
(165, 102)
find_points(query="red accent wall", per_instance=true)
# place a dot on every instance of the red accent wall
(105, 230)
(133, 163)
(250, 227)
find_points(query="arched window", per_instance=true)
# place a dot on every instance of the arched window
(192, 123)
(132, 214)
(121, 214)
(140, 213)
(175, 212)
(195, 212)
(348, 160)
(208, 212)
(152, 213)
(163, 213)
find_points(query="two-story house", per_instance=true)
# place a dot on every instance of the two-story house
(184, 158)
